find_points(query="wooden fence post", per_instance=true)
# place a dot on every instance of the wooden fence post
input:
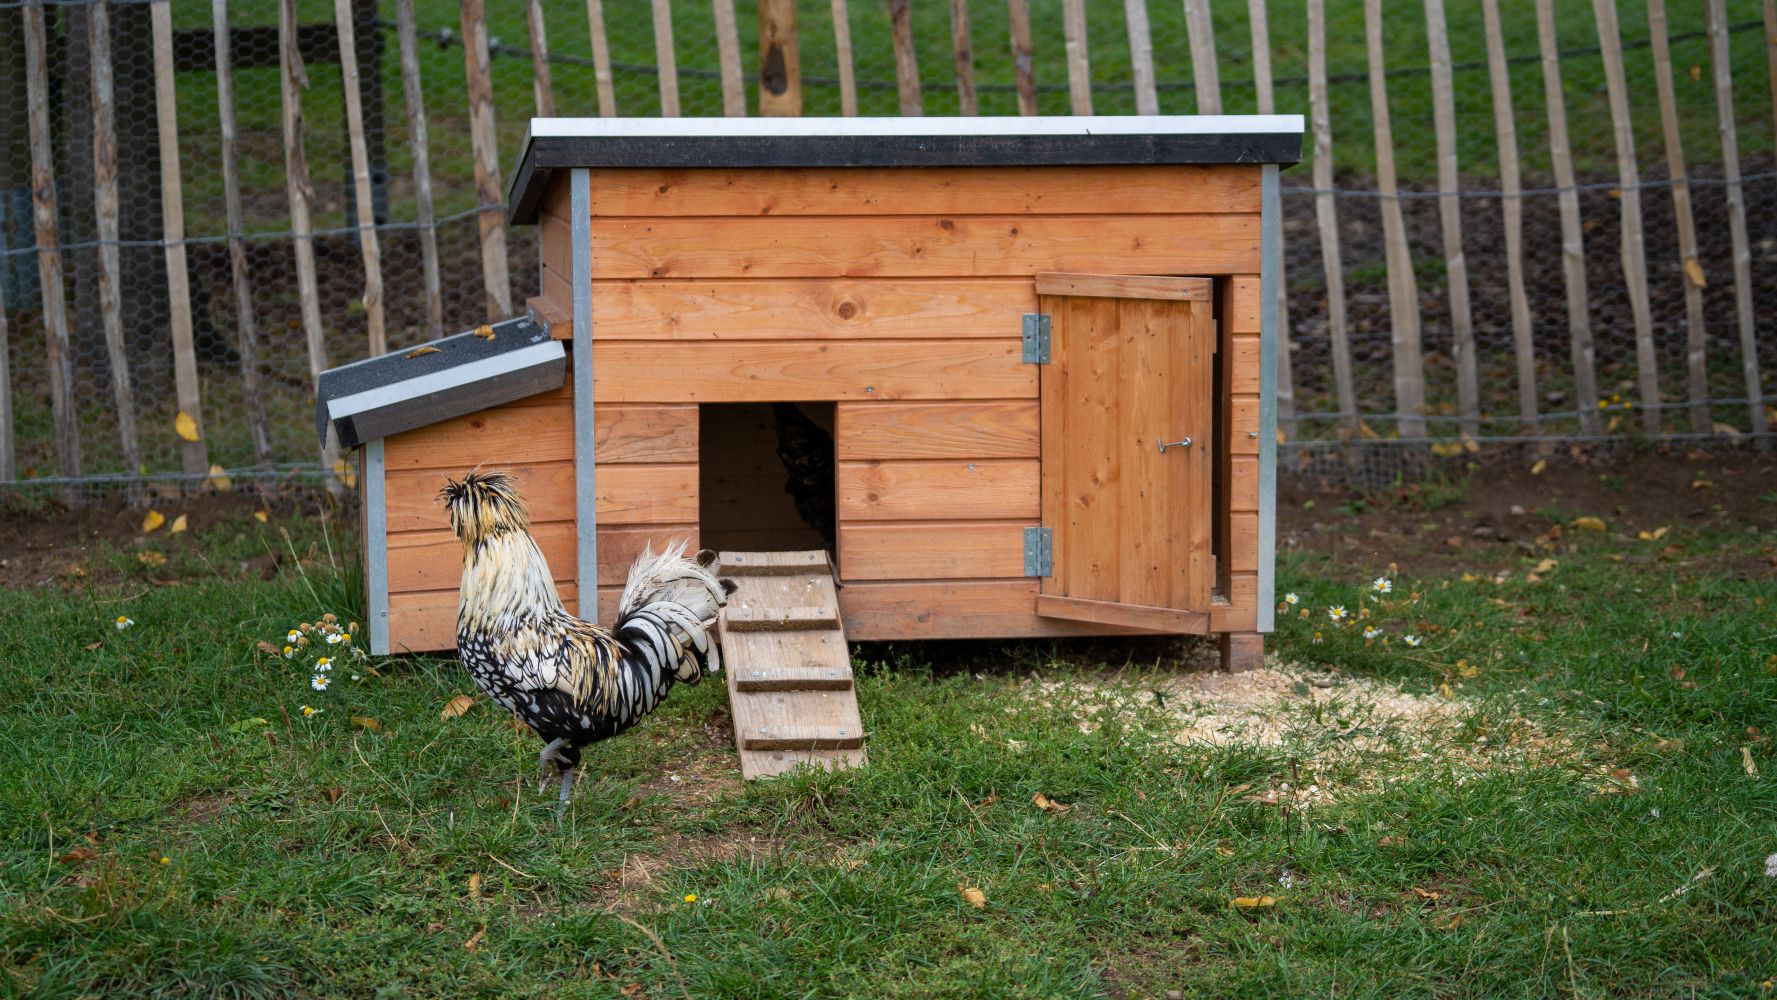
(301, 193)
(1573, 246)
(1462, 322)
(1771, 55)
(1403, 290)
(1634, 243)
(848, 83)
(666, 58)
(1326, 214)
(542, 90)
(49, 252)
(104, 112)
(485, 142)
(193, 454)
(906, 59)
(1079, 67)
(1201, 32)
(1023, 60)
(734, 88)
(247, 334)
(1690, 271)
(780, 60)
(601, 58)
(1730, 157)
(1267, 104)
(966, 101)
(369, 248)
(1141, 57)
(1505, 134)
(8, 463)
(407, 32)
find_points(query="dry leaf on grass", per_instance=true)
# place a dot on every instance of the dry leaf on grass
(1747, 762)
(178, 526)
(151, 558)
(1589, 523)
(1654, 535)
(261, 516)
(475, 885)
(184, 426)
(267, 648)
(421, 351)
(474, 941)
(1392, 840)
(78, 855)
(1254, 902)
(973, 896)
(1425, 893)
(456, 706)
(1048, 804)
(152, 521)
(365, 722)
(1541, 466)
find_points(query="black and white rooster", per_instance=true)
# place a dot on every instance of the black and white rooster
(573, 682)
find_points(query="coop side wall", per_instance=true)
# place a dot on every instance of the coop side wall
(899, 294)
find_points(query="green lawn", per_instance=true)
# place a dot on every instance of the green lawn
(1550, 796)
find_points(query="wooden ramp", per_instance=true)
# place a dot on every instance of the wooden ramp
(788, 665)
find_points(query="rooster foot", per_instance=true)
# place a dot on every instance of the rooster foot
(552, 754)
(567, 788)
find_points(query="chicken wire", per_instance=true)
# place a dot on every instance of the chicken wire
(283, 363)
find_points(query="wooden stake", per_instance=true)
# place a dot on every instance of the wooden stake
(1326, 214)
(1771, 55)
(1141, 57)
(666, 59)
(1505, 136)
(780, 60)
(1266, 103)
(1690, 271)
(601, 58)
(1730, 155)
(1462, 324)
(301, 193)
(1403, 290)
(247, 332)
(966, 101)
(1202, 33)
(541, 89)
(1023, 60)
(734, 88)
(848, 84)
(407, 33)
(485, 140)
(1079, 68)
(194, 456)
(49, 252)
(104, 111)
(1573, 247)
(369, 248)
(8, 461)
(906, 60)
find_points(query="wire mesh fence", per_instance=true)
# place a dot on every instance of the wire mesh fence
(83, 79)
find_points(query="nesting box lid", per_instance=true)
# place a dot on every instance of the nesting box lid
(676, 143)
(446, 378)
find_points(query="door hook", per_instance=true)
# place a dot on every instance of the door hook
(1186, 443)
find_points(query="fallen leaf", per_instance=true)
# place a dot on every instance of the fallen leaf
(485, 332)
(93, 645)
(178, 526)
(973, 896)
(261, 516)
(1226, 852)
(184, 426)
(1694, 271)
(1702, 484)
(1426, 893)
(422, 350)
(1454, 541)
(1542, 464)
(475, 885)
(1392, 840)
(1654, 535)
(332, 794)
(1366, 431)
(1747, 762)
(631, 989)
(365, 722)
(78, 855)
(1048, 804)
(474, 941)
(1451, 922)
(267, 648)
(148, 558)
(1547, 565)
(247, 725)
(456, 706)
(1254, 902)
(152, 521)
(1696, 71)
(1589, 523)
(778, 893)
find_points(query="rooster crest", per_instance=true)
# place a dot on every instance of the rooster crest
(484, 504)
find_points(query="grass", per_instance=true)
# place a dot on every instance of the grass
(336, 856)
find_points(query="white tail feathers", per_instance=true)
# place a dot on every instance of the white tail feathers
(685, 597)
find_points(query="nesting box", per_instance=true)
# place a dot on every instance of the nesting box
(1014, 375)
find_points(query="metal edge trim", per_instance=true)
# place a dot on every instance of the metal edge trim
(585, 467)
(452, 378)
(1270, 251)
(376, 548)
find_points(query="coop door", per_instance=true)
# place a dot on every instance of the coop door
(1127, 450)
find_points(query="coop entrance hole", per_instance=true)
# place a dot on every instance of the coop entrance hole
(765, 477)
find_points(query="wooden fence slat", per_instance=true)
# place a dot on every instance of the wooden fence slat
(1023, 58)
(1141, 57)
(247, 328)
(1634, 240)
(601, 58)
(1573, 247)
(966, 100)
(734, 87)
(105, 208)
(406, 29)
(49, 250)
(1505, 134)
(193, 454)
(906, 59)
(666, 59)
(1462, 323)
(1079, 67)
(780, 60)
(292, 80)
(8, 462)
(369, 247)
(1266, 100)
(542, 91)
(1771, 55)
(1201, 32)
(1326, 213)
(485, 142)
(1696, 339)
(1730, 156)
(848, 83)
(1403, 289)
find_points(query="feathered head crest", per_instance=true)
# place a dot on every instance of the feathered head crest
(484, 504)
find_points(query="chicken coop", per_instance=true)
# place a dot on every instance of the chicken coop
(1014, 377)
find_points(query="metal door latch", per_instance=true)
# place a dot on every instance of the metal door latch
(1186, 443)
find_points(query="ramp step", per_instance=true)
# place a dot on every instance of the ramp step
(783, 619)
(774, 563)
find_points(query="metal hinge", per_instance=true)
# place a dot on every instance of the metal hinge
(1039, 554)
(1036, 338)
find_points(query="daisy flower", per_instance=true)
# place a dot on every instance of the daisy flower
(289, 651)
(1371, 631)
(335, 638)
(691, 897)
(1291, 598)
(123, 622)
(308, 710)
(1382, 585)
(292, 635)
(1317, 638)
(1412, 640)
(1337, 614)
(320, 681)
(324, 664)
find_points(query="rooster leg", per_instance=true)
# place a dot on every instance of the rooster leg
(567, 789)
(552, 754)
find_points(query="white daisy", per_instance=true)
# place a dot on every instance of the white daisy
(320, 681)
(292, 635)
(1382, 585)
(1412, 640)
(123, 622)
(1291, 598)
(324, 664)
(308, 710)
(335, 638)
(289, 651)
(1337, 614)
(1371, 631)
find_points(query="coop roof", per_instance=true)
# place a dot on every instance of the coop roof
(559, 143)
(446, 378)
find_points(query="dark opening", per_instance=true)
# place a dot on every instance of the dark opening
(765, 477)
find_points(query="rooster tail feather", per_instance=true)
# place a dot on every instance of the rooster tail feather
(668, 611)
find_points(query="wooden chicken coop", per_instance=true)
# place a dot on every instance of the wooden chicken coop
(1014, 376)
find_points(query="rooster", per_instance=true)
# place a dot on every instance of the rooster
(573, 682)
